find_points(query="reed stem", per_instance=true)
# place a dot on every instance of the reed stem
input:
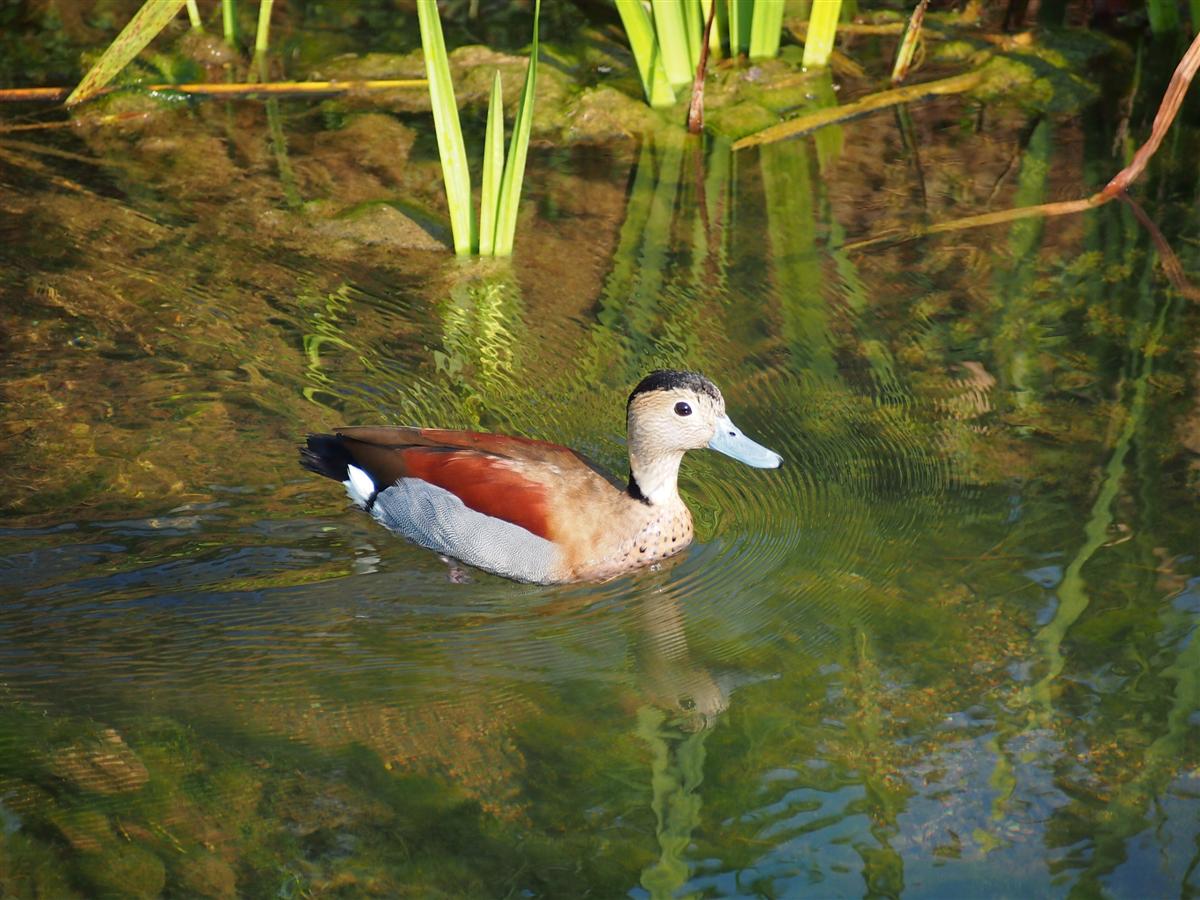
(822, 29)
(229, 21)
(264, 26)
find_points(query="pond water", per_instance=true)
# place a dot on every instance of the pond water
(948, 650)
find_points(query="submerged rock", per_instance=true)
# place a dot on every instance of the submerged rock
(87, 830)
(103, 765)
(605, 114)
(125, 871)
(376, 224)
(203, 874)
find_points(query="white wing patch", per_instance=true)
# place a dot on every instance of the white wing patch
(359, 486)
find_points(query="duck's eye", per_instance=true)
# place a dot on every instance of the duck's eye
(682, 409)
(687, 704)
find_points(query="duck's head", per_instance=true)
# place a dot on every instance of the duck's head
(671, 412)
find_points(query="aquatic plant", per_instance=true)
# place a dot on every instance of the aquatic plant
(229, 22)
(264, 26)
(145, 25)
(502, 176)
(822, 29)
(666, 37)
(909, 43)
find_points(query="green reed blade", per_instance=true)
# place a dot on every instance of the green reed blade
(229, 22)
(194, 16)
(765, 27)
(518, 148)
(146, 23)
(714, 39)
(642, 41)
(456, 175)
(740, 16)
(264, 25)
(671, 28)
(493, 169)
(693, 29)
(1163, 16)
(822, 29)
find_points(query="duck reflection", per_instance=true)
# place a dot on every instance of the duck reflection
(670, 680)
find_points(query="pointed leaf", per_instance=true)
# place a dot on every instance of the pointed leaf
(822, 30)
(644, 44)
(145, 25)
(740, 14)
(670, 24)
(493, 170)
(453, 151)
(264, 25)
(765, 27)
(518, 147)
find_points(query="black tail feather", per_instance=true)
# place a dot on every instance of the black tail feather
(326, 455)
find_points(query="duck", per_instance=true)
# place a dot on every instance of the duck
(535, 511)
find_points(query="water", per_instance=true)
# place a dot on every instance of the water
(947, 650)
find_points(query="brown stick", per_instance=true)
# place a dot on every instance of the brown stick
(908, 44)
(1181, 79)
(204, 89)
(695, 119)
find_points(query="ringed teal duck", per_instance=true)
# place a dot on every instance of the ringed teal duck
(535, 511)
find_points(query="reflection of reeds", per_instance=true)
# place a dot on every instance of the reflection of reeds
(1019, 328)
(287, 177)
(676, 774)
(796, 268)
(1073, 600)
(647, 312)
(482, 331)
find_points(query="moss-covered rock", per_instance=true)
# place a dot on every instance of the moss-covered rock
(605, 114)
(203, 874)
(123, 871)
